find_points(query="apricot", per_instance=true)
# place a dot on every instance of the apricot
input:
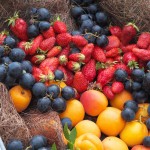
(140, 147)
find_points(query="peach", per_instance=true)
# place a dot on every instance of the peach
(140, 147)
(94, 102)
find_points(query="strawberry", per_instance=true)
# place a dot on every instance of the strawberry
(89, 70)
(48, 33)
(59, 26)
(98, 54)
(48, 73)
(113, 52)
(143, 40)
(78, 57)
(87, 52)
(24, 46)
(18, 26)
(117, 87)
(128, 33)
(63, 60)
(105, 76)
(73, 66)
(118, 58)
(130, 60)
(3, 35)
(114, 42)
(80, 83)
(142, 54)
(63, 39)
(108, 92)
(65, 51)
(54, 51)
(47, 44)
(37, 59)
(51, 63)
(79, 40)
(128, 48)
(116, 31)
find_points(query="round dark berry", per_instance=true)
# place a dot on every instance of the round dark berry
(146, 82)
(83, 18)
(148, 66)
(15, 145)
(136, 86)
(68, 92)
(128, 114)
(6, 60)
(59, 75)
(87, 25)
(132, 105)
(2, 51)
(43, 104)
(96, 29)
(32, 31)
(120, 75)
(128, 85)
(101, 18)
(9, 81)
(43, 14)
(137, 75)
(75, 50)
(27, 66)
(76, 32)
(76, 11)
(66, 121)
(39, 89)
(146, 141)
(102, 41)
(33, 11)
(10, 41)
(53, 90)
(93, 8)
(59, 105)
(3, 73)
(148, 123)
(90, 38)
(44, 25)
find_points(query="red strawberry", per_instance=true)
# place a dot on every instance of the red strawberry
(79, 82)
(118, 58)
(73, 66)
(18, 26)
(59, 26)
(63, 39)
(128, 33)
(144, 40)
(78, 57)
(54, 51)
(63, 60)
(3, 35)
(87, 52)
(37, 59)
(117, 87)
(142, 54)
(49, 74)
(51, 63)
(65, 51)
(79, 40)
(109, 60)
(47, 44)
(116, 31)
(108, 92)
(24, 46)
(98, 54)
(48, 33)
(113, 52)
(89, 70)
(128, 48)
(114, 42)
(105, 76)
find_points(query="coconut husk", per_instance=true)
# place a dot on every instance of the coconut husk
(124, 11)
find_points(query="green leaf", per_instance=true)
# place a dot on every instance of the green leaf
(73, 135)
(54, 147)
(66, 132)
(71, 146)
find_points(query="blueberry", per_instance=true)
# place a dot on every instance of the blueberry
(53, 90)
(3, 73)
(6, 60)
(33, 11)
(59, 105)
(106, 31)
(83, 18)
(44, 148)
(38, 141)
(148, 66)
(101, 18)
(43, 104)
(137, 75)
(27, 66)
(136, 86)
(87, 25)
(15, 145)
(102, 41)
(2, 51)
(32, 31)
(75, 50)
(146, 82)
(76, 11)
(148, 123)
(59, 75)
(68, 92)
(9, 81)
(43, 14)
(146, 141)
(140, 96)
(27, 81)
(93, 8)
(15, 69)
(76, 32)
(148, 110)
(120, 75)
(90, 38)
(132, 105)
(66, 121)
(96, 29)
(128, 85)
(128, 114)
(44, 25)
(17, 54)
(39, 89)
(10, 41)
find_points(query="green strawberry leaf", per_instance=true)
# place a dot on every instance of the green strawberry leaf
(73, 135)
(71, 146)
(54, 147)
(66, 132)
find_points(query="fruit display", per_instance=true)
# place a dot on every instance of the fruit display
(95, 77)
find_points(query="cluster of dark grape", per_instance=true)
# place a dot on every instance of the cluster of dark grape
(91, 21)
